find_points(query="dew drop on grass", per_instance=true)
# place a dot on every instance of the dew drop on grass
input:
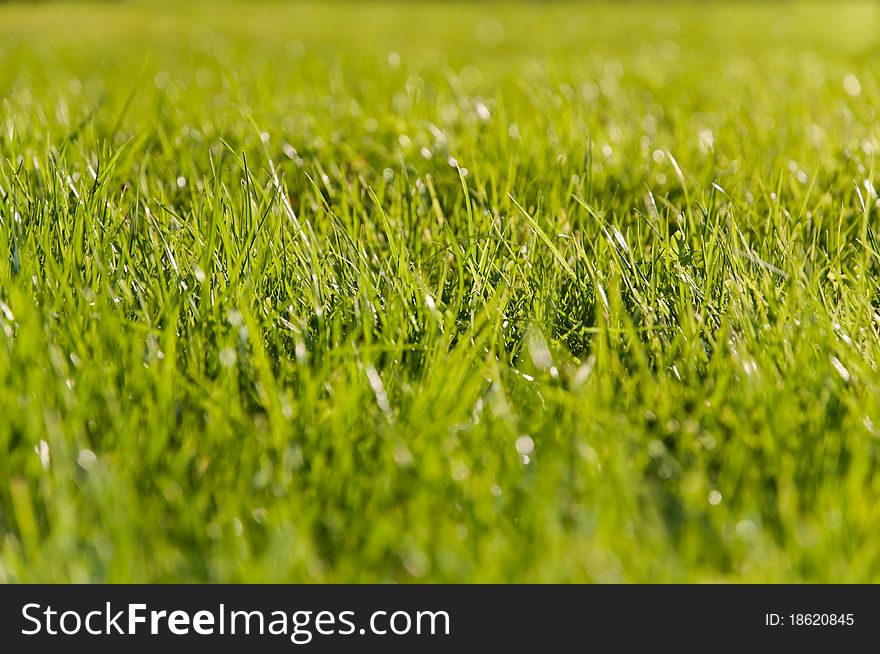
(706, 141)
(746, 530)
(841, 369)
(715, 498)
(460, 471)
(852, 86)
(378, 389)
(620, 239)
(227, 357)
(525, 444)
(402, 456)
(539, 351)
(707, 441)
(42, 450)
(590, 91)
(86, 459)
(416, 563)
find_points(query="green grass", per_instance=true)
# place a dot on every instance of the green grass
(439, 292)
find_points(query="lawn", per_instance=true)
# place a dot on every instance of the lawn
(439, 291)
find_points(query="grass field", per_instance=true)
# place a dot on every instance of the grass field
(439, 292)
